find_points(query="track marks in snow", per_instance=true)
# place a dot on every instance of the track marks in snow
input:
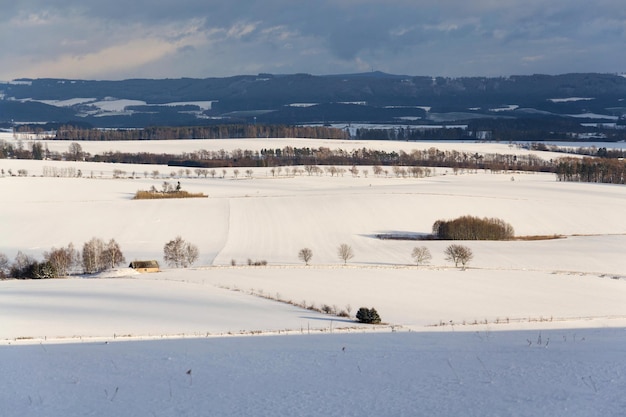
(223, 243)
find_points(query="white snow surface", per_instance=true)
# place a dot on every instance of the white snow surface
(69, 102)
(530, 328)
(204, 105)
(594, 116)
(570, 99)
(508, 107)
(116, 105)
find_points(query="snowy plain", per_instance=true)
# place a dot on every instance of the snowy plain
(530, 328)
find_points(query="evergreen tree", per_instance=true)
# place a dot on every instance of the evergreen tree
(368, 315)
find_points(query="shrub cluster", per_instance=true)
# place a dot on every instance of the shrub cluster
(473, 228)
(149, 195)
(29, 268)
(368, 315)
(168, 191)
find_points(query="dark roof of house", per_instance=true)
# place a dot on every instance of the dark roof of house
(144, 264)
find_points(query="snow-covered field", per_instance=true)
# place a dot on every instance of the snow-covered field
(530, 328)
(193, 145)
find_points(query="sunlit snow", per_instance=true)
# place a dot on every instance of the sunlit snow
(530, 328)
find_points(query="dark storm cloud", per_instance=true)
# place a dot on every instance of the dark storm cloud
(214, 38)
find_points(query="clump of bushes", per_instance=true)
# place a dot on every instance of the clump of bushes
(368, 315)
(153, 195)
(29, 268)
(256, 263)
(168, 191)
(473, 228)
(334, 310)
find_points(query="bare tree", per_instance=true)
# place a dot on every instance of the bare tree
(93, 258)
(99, 256)
(112, 255)
(4, 265)
(167, 187)
(173, 252)
(305, 255)
(191, 254)
(421, 255)
(22, 261)
(62, 260)
(75, 151)
(345, 252)
(458, 254)
(179, 253)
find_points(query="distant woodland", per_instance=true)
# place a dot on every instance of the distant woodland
(602, 166)
(226, 131)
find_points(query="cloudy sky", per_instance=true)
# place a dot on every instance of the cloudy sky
(113, 39)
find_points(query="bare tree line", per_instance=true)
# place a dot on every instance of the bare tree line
(228, 131)
(96, 256)
(609, 171)
(459, 254)
(602, 168)
(289, 156)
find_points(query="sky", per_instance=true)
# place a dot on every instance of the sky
(89, 39)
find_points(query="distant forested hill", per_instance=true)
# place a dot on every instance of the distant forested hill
(562, 101)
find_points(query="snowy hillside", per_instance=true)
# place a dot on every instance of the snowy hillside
(532, 327)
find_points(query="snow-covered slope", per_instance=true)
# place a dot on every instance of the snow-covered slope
(477, 374)
(271, 218)
(479, 342)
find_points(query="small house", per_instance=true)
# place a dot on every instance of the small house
(145, 266)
